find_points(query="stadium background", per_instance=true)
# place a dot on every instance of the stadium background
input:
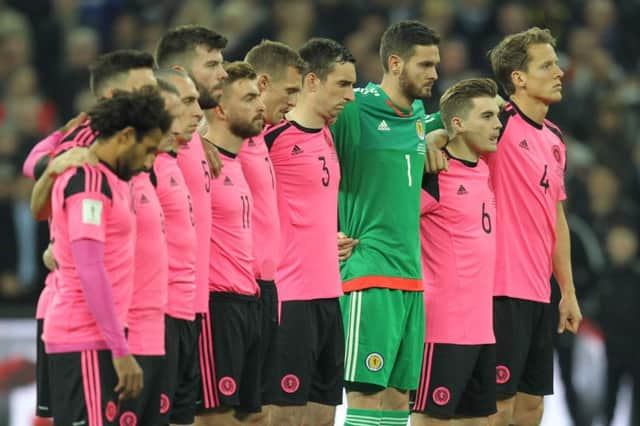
(46, 46)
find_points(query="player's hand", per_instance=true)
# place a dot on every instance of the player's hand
(48, 259)
(345, 246)
(570, 315)
(74, 122)
(435, 160)
(130, 377)
(75, 157)
(213, 158)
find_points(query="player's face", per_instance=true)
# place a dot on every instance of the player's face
(419, 73)
(336, 90)
(138, 78)
(482, 126)
(281, 95)
(243, 108)
(175, 108)
(191, 112)
(208, 74)
(543, 78)
(137, 155)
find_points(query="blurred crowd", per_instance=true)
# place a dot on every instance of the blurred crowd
(47, 45)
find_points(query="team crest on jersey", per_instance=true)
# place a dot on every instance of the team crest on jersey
(420, 129)
(374, 362)
(556, 153)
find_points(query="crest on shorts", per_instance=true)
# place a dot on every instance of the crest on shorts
(227, 386)
(441, 395)
(111, 411)
(502, 374)
(420, 129)
(374, 362)
(290, 383)
(128, 418)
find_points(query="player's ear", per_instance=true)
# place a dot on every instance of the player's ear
(395, 63)
(126, 136)
(311, 82)
(518, 78)
(457, 124)
(263, 82)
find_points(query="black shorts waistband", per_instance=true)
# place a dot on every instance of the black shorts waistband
(226, 296)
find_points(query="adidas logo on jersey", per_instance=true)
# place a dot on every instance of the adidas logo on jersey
(227, 181)
(383, 126)
(296, 150)
(462, 190)
(173, 182)
(144, 199)
(523, 144)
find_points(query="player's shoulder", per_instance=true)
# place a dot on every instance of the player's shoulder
(369, 93)
(85, 179)
(276, 131)
(554, 129)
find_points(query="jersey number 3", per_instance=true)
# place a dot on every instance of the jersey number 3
(326, 176)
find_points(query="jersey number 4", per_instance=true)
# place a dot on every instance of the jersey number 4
(544, 180)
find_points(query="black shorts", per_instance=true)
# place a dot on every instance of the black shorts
(457, 381)
(83, 384)
(43, 395)
(181, 385)
(269, 300)
(145, 409)
(524, 347)
(230, 353)
(307, 362)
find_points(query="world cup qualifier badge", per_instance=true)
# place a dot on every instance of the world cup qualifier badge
(374, 362)
(420, 129)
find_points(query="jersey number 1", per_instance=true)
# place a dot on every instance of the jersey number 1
(408, 158)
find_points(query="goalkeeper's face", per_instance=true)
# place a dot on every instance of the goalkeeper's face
(419, 73)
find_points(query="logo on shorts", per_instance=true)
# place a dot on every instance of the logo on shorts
(374, 362)
(227, 386)
(441, 395)
(128, 419)
(502, 374)
(290, 383)
(165, 403)
(111, 411)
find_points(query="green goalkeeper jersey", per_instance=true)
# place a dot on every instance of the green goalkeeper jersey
(382, 153)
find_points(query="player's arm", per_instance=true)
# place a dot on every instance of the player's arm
(570, 315)
(436, 140)
(38, 158)
(41, 193)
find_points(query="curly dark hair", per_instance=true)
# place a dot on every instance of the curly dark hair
(115, 64)
(142, 109)
(183, 40)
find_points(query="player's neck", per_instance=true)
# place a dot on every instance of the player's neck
(105, 152)
(460, 150)
(221, 136)
(533, 108)
(306, 115)
(391, 86)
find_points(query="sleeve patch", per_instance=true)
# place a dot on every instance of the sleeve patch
(91, 212)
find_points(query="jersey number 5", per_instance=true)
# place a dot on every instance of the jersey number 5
(486, 220)
(325, 169)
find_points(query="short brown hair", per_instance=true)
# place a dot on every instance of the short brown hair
(184, 40)
(273, 58)
(457, 100)
(512, 54)
(238, 70)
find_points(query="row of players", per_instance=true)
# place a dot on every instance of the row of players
(222, 211)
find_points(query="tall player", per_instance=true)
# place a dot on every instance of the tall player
(380, 143)
(198, 52)
(533, 236)
(120, 70)
(232, 344)
(457, 224)
(307, 359)
(279, 75)
(93, 225)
